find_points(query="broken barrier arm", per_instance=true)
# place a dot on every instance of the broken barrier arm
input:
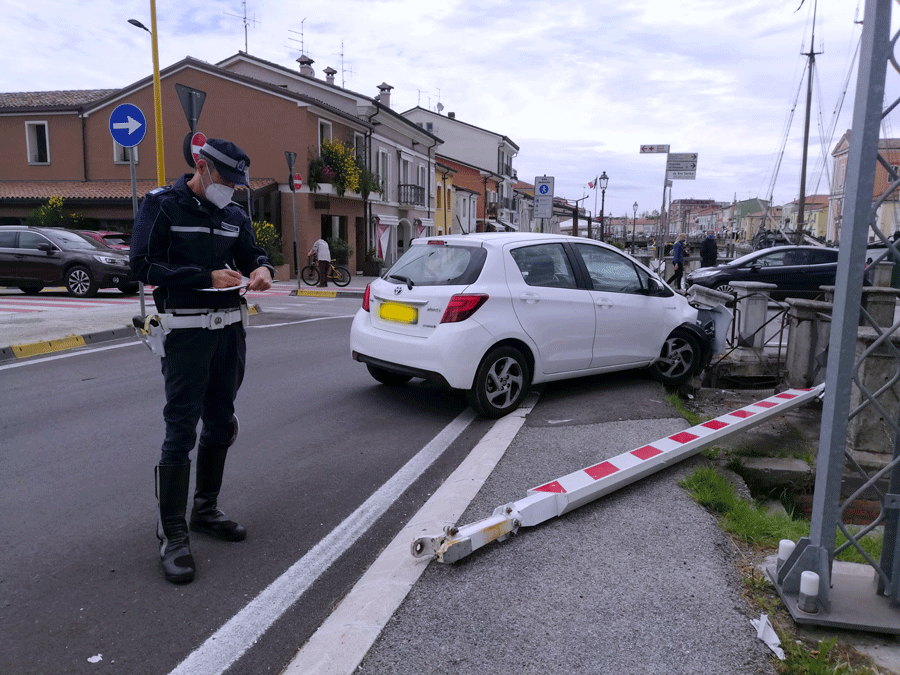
(581, 487)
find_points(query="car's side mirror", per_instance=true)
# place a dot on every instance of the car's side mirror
(755, 267)
(46, 248)
(656, 287)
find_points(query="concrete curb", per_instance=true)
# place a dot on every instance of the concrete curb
(342, 293)
(13, 352)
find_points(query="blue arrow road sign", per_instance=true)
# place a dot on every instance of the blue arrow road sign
(127, 125)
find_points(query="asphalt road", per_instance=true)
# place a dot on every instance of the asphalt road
(81, 435)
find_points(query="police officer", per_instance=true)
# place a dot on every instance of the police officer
(193, 243)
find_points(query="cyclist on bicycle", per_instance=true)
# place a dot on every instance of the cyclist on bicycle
(323, 255)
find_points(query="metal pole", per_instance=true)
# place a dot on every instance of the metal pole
(157, 101)
(816, 552)
(134, 212)
(602, 216)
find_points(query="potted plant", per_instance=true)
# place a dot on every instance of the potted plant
(266, 237)
(372, 264)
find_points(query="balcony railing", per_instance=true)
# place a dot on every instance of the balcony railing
(412, 194)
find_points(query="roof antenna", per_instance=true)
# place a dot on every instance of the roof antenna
(246, 22)
(344, 70)
(302, 47)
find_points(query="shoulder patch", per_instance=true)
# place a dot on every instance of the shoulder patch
(156, 191)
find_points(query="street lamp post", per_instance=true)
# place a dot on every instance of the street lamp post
(157, 98)
(633, 226)
(604, 181)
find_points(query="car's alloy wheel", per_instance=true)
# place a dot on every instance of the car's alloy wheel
(501, 382)
(679, 359)
(725, 288)
(388, 377)
(80, 282)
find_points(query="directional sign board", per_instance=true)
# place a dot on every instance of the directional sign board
(127, 125)
(682, 165)
(543, 196)
(654, 148)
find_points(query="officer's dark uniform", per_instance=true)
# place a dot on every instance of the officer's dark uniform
(178, 240)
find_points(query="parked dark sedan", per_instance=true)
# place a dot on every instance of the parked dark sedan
(34, 257)
(798, 271)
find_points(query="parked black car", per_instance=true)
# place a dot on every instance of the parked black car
(34, 257)
(798, 271)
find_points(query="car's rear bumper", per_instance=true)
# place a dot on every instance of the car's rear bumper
(450, 355)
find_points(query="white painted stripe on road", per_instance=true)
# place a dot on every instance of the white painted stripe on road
(233, 639)
(295, 323)
(67, 355)
(343, 640)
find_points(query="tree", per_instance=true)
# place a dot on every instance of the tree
(52, 214)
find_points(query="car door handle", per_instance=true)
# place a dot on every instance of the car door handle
(529, 297)
(18, 256)
(603, 303)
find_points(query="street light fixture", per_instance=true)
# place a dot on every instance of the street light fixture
(633, 226)
(157, 99)
(604, 181)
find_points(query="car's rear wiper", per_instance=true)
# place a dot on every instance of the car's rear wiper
(406, 280)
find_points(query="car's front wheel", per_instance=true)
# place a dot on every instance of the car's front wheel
(725, 288)
(80, 282)
(388, 377)
(501, 382)
(679, 359)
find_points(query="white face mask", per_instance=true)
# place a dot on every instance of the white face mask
(216, 193)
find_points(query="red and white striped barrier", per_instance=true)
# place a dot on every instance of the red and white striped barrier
(585, 485)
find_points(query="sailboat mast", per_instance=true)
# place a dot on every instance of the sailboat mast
(801, 211)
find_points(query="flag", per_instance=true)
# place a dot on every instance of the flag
(592, 184)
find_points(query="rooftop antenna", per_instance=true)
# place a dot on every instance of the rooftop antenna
(302, 46)
(344, 70)
(440, 106)
(246, 22)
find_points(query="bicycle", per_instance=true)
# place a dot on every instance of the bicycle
(339, 275)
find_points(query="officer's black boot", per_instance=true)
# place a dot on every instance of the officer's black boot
(172, 481)
(206, 516)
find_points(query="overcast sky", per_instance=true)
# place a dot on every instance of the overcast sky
(578, 85)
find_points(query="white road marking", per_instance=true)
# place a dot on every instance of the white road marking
(343, 640)
(231, 641)
(65, 355)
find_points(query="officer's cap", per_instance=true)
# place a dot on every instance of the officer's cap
(230, 161)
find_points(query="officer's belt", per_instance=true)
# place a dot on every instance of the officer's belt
(211, 320)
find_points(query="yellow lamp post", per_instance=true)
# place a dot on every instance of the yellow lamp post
(157, 97)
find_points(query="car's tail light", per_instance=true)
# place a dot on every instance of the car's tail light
(461, 307)
(365, 304)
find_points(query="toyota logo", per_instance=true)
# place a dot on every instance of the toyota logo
(398, 290)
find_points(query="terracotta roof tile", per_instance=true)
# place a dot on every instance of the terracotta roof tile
(36, 99)
(95, 189)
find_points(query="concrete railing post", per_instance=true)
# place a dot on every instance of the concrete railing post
(808, 333)
(752, 307)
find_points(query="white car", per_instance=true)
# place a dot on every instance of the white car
(494, 313)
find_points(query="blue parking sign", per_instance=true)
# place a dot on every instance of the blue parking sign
(127, 125)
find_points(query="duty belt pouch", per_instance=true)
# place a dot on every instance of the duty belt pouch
(245, 314)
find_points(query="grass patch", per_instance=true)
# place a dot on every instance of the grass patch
(755, 529)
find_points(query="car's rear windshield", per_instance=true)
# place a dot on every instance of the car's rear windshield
(439, 265)
(73, 240)
(117, 239)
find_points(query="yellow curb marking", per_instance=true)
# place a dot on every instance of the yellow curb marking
(35, 348)
(318, 294)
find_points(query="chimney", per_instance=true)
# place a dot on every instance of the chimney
(329, 74)
(306, 66)
(384, 94)
(451, 115)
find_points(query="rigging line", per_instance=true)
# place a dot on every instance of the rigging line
(784, 140)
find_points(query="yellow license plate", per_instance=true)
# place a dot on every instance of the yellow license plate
(395, 311)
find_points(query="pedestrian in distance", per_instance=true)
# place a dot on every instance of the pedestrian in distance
(323, 255)
(193, 243)
(678, 261)
(709, 251)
